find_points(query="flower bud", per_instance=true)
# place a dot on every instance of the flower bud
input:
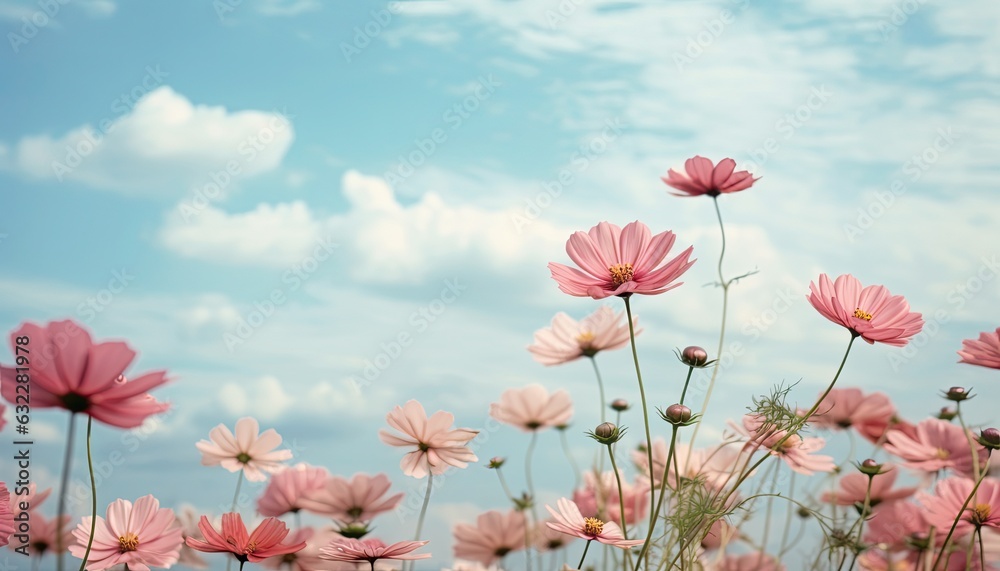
(355, 530)
(619, 405)
(947, 413)
(990, 438)
(694, 356)
(605, 430)
(958, 394)
(870, 468)
(677, 415)
(496, 462)
(607, 433)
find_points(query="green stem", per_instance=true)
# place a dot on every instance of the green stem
(968, 436)
(423, 511)
(503, 483)
(600, 385)
(861, 520)
(788, 518)
(621, 504)
(686, 382)
(663, 493)
(958, 517)
(93, 496)
(236, 496)
(527, 472)
(645, 411)
(585, 548)
(572, 462)
(63, 484)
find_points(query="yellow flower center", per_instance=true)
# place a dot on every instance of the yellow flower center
(593, 526)
(128, 542)
(862, 314)
(251, 547)
(980, 514)
(621, 273)
(586, 338)
(943, 454)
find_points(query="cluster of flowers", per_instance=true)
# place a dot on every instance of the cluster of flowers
(684, 508)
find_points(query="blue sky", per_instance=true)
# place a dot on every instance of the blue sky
(357, 158)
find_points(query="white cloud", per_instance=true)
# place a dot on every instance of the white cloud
(164, 145)
(17, 10)
(287, 7)
(264, 398)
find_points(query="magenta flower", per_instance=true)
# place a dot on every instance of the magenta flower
(139, 535)
(68, 370)
(620, 262)
(570, 521)
(356, 500)
(949, 496)
(371, 550)
(437, 445)
(267, 540)
(701, 177)
(6, 516)
(871, 313)
(844, 408)
(567, 339)
(984, 352)
(854, 486)
(533, 408)
(938, 444)
(494, 535)
(248, 450)
(288, 488)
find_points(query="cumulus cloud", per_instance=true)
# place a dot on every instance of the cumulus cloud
(164, 145)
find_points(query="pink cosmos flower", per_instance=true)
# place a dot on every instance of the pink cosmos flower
(247, 450)
(494, 535)
(700, 177)
(371, 550)
(720, 532)
(570, 521)
(567, 339)
(949, 496)
(635, 497)
(620, 262)
(713, 465)
(6, 516)
(33, 498)
(796, 451)
(854, 486)
(533, 408)
(288, 488)
(70, 371)
(875, 559)
(938, 444)
(844, 408)
(749, 562)
(871, 313)
(309, 558)
(359, 499)
(187, 519)
(45, 535)
(984, 352)
(877, 431)
(895, 523)
(544, 538)
(139, 535)
(437, 445)
(267, 540)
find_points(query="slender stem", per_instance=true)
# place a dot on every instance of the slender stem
(645, 411)
(569, 456)
(236, 496)
(585, 548)
(982, 553)
(686, 382)
(677, 475)
(503, 483)
(663, 493)
(968, 437)
(527, 472)
(600, 385)
(241, 564)
(788, 518)
(861, 520)
(63, 484)
(958, 517)
(621, 494)
(93, 496)
(423, 513)
(722, 328)
(767, 521)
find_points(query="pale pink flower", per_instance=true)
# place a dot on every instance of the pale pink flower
(371, 550)
(533, 408)
(713, 465)
(288, 488)
(139, 535)
(854, 486)
(45, 534)
(620, 262)
(949, 496)
(719, 533)
(847, 407)
(494, 535)
(70, 371)
(635, 497)
(544, 538)
(701, 177)
(570, 521)
(567, 339)
(875, 559)
(310, 557)
(248, 450)
(6, 516)
(894, 523)
(33, 498)
(748, 562)
(356, 500)
(267, 540)
(187, 519)
(984, 352)
(871, 313)
(797, 452)
(437, 445)
(938, 444)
